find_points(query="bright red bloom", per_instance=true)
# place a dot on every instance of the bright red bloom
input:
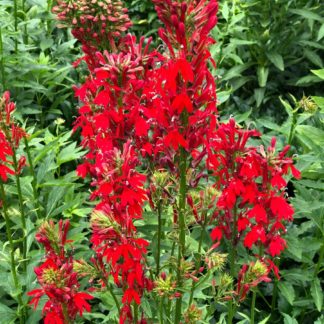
(58, 281)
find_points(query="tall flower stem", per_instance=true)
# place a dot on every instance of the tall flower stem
(159, 234)
(319, 262)
(34, 181)
(182, 228)
(21, 207)
(292, 127)
(110, 289)
(274, 292)
(253, 306)
(12, 254)
(231, 304)
(198, 260)
(16, 25)
(2, 70)
(135, 313)
(161, 310)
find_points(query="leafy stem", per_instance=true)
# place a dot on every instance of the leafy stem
(182, 225)
(12, 254)
(34, 181)
(231, 304)
(21, 206)
(159, 210)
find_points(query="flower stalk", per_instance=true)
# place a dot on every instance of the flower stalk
(12, 254)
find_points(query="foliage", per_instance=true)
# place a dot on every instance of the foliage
(269, 74)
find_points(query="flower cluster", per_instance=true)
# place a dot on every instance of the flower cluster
(145, 115)
(10, 136)
(250, 276)
(94, 23)
(59, 282)
(252, 206)
(113, 128)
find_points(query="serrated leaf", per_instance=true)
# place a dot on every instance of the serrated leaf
(287, 291)
(277, 60)
(317, 294)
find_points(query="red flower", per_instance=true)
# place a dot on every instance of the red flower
(281, 208)
(130, 295)
(277, 245)
(80, 301)
(216, 234)
(256, 233)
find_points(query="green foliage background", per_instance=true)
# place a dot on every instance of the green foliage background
(269, 55)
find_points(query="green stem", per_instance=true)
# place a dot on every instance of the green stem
(274, 293)
(159, 238)
(319, 262)
(2, 70)
(292, 127)
(231, 304)
(182, 228)
(12, 254)
(21, 207)
(110, 289)
(198, 260)
(161, 310)
(253, 306)
(16, 24)
(34, 181)
(135, 313)
(114, 297)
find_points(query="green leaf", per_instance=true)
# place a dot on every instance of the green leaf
(235, 71)
(319, 101)
(69, 153)
(259, 95)
(262, 72)
(307, 80)
(277, 60)
(287, 291)
(314, 134)
(287, 106)
(307, 14)
(288, 319)
(264, 321)
(319, 73)
(317, 294)
(313, 57)
(320, 33)
(46, 43)
(7, 314)
(225, 11)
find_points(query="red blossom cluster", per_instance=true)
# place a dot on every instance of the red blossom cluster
(59, 282)
(250, 276)
(95, 23)
(10, 136)
(142, 110)
(114, 130)
(252, 206)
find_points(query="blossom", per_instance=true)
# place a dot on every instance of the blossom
(57, 278)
